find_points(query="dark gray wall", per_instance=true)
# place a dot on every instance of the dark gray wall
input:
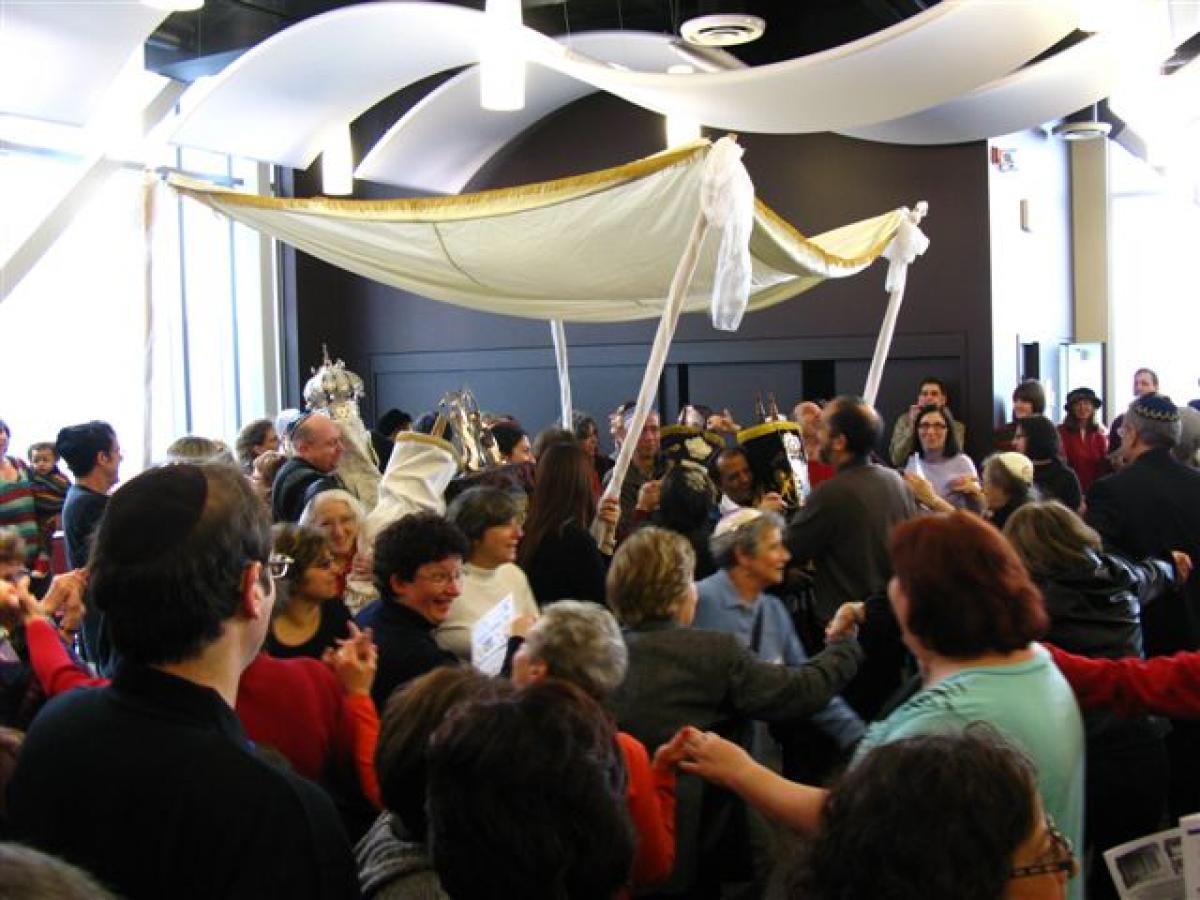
(410, 349)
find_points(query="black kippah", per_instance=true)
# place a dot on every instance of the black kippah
(153, 513)
(1157, 408)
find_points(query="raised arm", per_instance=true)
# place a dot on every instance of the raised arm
(1162, 685)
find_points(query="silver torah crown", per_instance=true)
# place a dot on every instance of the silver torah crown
(334, 388)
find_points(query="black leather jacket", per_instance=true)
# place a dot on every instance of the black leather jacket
(1095, 610)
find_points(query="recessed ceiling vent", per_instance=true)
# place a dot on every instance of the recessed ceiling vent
(1082, 131)
(723, 30)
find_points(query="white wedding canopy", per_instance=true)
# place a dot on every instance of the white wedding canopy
(599, 247)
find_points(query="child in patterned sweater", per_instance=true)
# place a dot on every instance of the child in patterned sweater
(49, 493)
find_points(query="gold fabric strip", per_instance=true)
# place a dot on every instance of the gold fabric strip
(496, 202)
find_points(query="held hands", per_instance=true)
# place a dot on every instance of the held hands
(845, 621)
(354, 661)
(705, 754)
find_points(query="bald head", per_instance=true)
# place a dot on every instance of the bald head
(318, 442)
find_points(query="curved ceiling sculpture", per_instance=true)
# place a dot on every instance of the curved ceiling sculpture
(75, 55)
(1073, 79)
(259, 108)
(449, 117)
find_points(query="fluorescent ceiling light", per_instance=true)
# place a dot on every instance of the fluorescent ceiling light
(501, 65)
(337, 164)
(174, 5)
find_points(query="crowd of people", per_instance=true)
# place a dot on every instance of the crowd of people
(231, 676)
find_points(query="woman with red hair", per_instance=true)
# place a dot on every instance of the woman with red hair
(970, 615)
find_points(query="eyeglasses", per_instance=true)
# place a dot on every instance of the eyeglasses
(1063, 849)
(441, 579)
(278, 565)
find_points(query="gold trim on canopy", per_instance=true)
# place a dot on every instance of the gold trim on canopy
(595, 247)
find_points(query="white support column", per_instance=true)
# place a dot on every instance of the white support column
(559, 334)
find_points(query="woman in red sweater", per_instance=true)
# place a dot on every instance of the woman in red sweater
(1085, 440)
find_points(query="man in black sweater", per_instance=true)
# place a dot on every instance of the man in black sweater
(316, 451)
(150, 783)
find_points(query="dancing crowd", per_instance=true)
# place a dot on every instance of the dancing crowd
(237, 675)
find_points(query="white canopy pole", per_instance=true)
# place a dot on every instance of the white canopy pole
(559, 333)
(908, 243)
(726, 202)
(658, 357)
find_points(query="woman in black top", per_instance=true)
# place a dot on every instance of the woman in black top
(309, 613)
(558, 553)
(1038, 439)
(1094, 600)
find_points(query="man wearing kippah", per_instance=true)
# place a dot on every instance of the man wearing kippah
(1150, 508)
(150, 784)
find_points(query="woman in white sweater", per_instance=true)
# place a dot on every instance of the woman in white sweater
(489, 517)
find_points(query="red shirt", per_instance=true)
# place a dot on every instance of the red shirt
(296, 706)
(1087, 453)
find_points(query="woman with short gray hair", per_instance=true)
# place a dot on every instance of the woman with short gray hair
(580, 642)
(745, 536)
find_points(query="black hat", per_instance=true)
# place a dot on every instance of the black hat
(1082, 393)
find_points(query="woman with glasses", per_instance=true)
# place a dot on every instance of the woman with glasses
(309, 615)
(937, 469)
(970, 614)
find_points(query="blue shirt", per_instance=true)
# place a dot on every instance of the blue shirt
(721, 608)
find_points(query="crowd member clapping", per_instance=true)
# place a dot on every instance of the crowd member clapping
(488, 518)
(1007, 486)
(393, 858)
(181, 570)
(581, 643)
(681, 676)
(309, 615)
(526, 798)
(937, 469)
